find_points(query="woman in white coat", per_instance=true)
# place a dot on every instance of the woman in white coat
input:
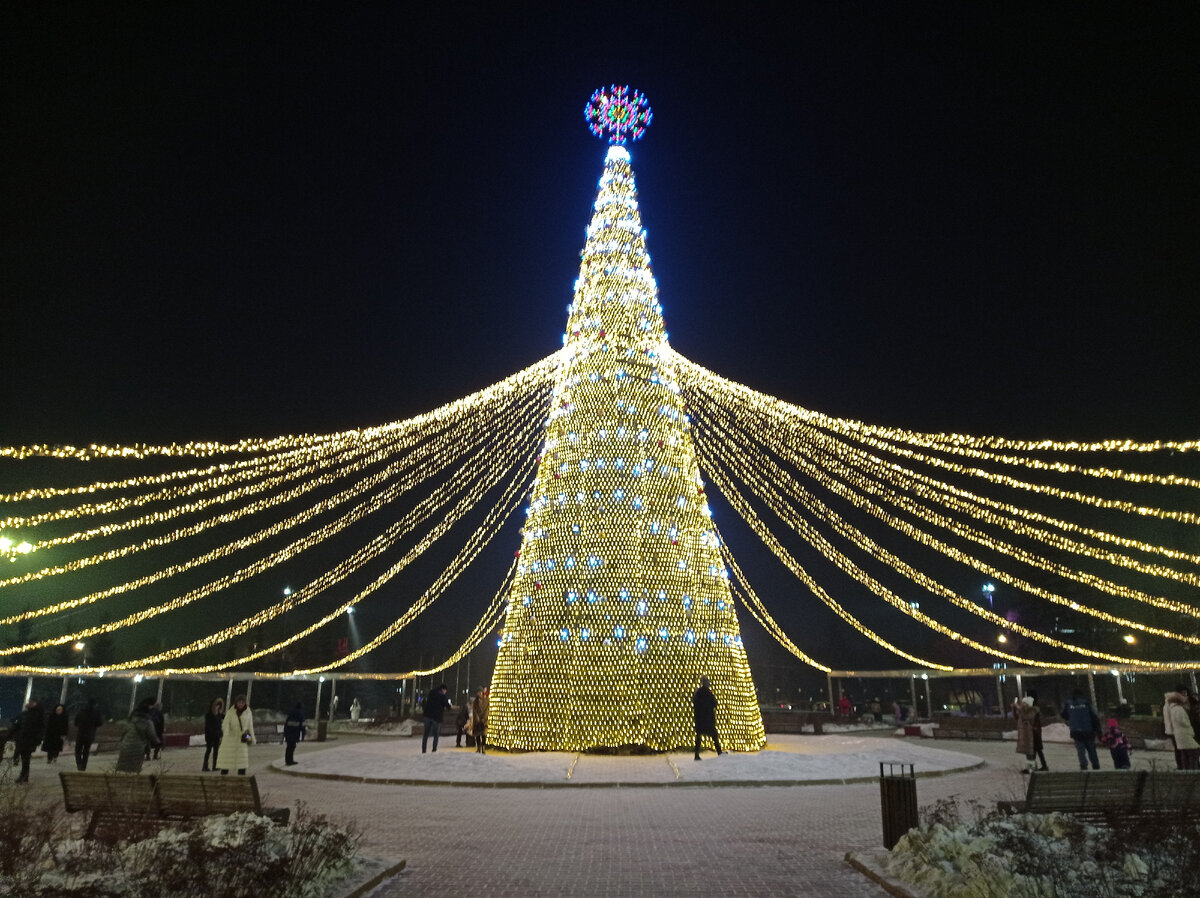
(237, 735)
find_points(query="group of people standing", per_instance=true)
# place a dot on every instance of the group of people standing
(471, 721)
(228, 735)
(34, 729)
(1181, 721)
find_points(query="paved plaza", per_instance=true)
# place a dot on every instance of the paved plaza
(617, 826)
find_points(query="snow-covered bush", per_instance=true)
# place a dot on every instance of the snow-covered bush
(1046, 856)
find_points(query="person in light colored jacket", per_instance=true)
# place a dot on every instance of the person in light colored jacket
(237, 735)
(1187, 749)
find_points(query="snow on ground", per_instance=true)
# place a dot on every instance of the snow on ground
(787, 759)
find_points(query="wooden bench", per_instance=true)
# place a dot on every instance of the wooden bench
(183, 795)
(132, 798)
(1104, 794)
(111, 797)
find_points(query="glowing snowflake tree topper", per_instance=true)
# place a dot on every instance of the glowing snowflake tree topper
(618, 114)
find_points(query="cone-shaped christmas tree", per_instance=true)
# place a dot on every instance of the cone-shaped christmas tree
(621, 600)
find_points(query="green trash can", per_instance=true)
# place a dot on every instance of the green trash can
(898, 800)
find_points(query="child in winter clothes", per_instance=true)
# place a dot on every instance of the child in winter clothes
(1118, 745)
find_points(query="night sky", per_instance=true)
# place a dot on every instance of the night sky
(267, 219)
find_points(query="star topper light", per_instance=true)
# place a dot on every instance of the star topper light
(618, 114)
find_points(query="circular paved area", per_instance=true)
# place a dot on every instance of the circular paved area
(631, 840)
(787, 761)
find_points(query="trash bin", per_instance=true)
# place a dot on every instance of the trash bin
(322, 729)
(898, 799)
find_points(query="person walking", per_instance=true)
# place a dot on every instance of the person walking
(355, 711)
(704, 713)
(56, 733)
(1175, 714)
(212, 732)
(293, 731)
(87, 722)
(435, 710)
(1038, 748)
(1084, 726)
(237, 735)
(27, 735)
(479, 715)
(136, 739)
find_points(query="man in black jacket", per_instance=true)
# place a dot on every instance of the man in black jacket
(435, 709)
(87, 722)
(704, 709)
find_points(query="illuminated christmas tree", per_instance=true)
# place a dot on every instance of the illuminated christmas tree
(621, 600)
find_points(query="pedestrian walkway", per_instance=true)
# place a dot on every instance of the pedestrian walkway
(635, 836)
(631, 840)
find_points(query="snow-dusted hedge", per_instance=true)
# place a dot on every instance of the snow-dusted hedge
(234, 856)
(1047, 856)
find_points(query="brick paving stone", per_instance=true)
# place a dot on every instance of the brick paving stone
(619, 841)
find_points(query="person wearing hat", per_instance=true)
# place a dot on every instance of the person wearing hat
(1029, 722)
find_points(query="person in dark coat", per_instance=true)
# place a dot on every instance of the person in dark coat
(212, 732)
(87, 722)
(293, 731)
(435, 710)
(27, 736)
(56, 733)
(1084, 726)
(156, 720)
(704, 710)
(460, 723)
(139, 736)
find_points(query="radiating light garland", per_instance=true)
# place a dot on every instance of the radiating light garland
(284, 462)
(148, 480)
(535, 373)
(774, 501)
(877, 467)
(981, 509)
(752, 603)
(692, 373)
(391, 493)
(495, 463)
(734, 497)
(433, 455)
(996, 573)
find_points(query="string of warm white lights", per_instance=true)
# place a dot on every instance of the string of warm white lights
(748, 473)
(432, 456)
(475, 544)
(403, 434)
(479, 483)
(975, 535)
(464, 557)
(979, 565)
(931, 490)
(753, 604)
(155, 480)
(415, 477)
(829, 455)
(879, 468)
(744, 509)
(520, 381)
(785, 413)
